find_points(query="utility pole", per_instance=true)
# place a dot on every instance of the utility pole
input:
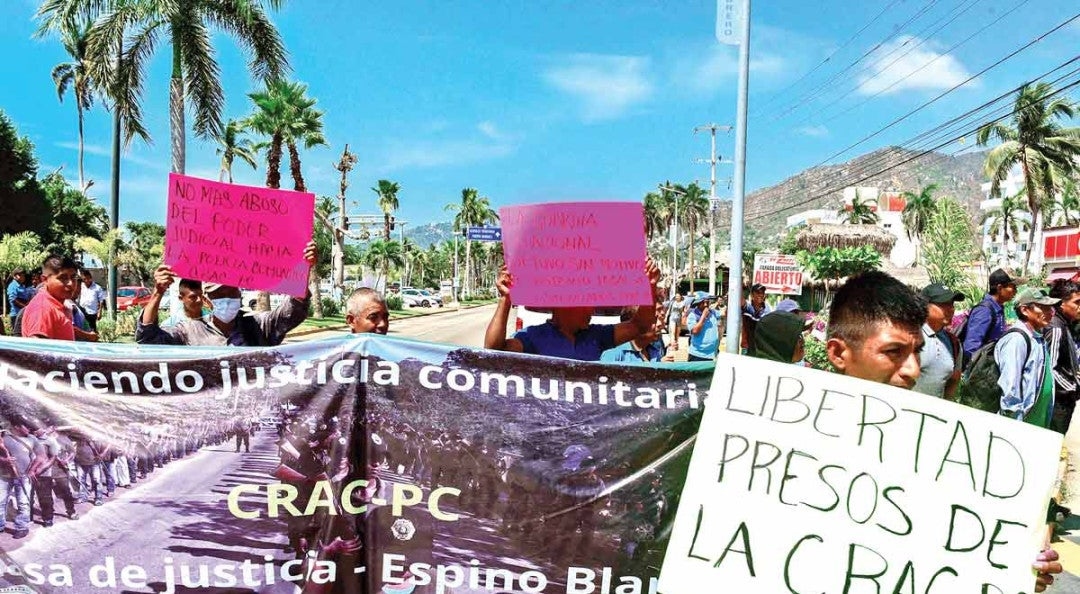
(713, 160)
(734, 27)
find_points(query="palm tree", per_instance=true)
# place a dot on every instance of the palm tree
(387, 201)
(1005, 220)
(1035, 140)
(76, 76)
(474, 210)
(323, 240)
(187, 27)
(305, 127)
(382, 254)
(861, 212)
(232, 145)
(1067, 204)
(916, 216)
(655, 215)
(693, 210)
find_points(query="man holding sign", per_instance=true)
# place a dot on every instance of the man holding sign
(223, 327)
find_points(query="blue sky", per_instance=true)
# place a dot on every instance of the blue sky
(559, 99)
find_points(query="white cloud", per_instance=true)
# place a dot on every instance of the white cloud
(441, 153)
(818, 131)
(102, 151)
(896, 67)
(608, 86)
(489, 129)
(715, 68)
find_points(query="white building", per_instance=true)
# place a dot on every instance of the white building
(1001, 253)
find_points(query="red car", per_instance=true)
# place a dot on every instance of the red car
(131, 297)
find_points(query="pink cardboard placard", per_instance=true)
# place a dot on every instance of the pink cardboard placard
(575, 254)
(243, 236)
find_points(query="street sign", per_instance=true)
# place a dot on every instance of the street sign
(484, 233)
(780, 273)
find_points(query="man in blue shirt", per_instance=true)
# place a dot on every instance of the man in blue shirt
(568, 334)
(648, 347)
(986, 320)
(16, 294)
(704, 325)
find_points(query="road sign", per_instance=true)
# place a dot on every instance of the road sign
(780, 273)
(484, 233)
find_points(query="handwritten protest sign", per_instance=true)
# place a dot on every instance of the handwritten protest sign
(804, 481)
(780, 273)
(576, 253)
(235, 235)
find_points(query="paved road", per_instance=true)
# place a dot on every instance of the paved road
(178, 513)
(465, 327)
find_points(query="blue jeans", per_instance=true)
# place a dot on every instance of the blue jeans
(90, 479)
(20, 489)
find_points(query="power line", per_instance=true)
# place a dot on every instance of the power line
(951, 89)
(829, 83)
(909, 159)
(914, 72)
(781, 92)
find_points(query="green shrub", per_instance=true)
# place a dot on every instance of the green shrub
(331, 306)
(394, 302)
(112, 331)
(816, 356)
(106, 330)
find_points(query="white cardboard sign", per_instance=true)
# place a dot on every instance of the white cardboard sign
(806, 481)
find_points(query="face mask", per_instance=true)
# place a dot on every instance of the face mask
(225, 309)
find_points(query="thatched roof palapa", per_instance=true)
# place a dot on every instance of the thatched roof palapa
(818, 236)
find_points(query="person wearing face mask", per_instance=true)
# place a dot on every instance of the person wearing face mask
(224, 326)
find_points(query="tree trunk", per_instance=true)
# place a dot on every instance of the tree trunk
(316, 294)
(692, 275)
(294, 168)
(1033, 204)
(386, 226)
(176, 121)
(82, 179)
(273, 162)
(468, 263)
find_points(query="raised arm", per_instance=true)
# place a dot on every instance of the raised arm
(645, 318)
(495, 336)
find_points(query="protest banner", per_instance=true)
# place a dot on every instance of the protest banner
(570, 254)
(807, 481)
(242, 236)
(474, 471)
(781, 274)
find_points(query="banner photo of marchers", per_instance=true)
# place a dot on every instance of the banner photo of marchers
(376, 465)
(807, 481)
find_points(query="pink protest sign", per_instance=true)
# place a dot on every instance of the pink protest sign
(248, 237)
(576, 254)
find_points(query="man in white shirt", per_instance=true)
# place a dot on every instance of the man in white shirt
(92, 299)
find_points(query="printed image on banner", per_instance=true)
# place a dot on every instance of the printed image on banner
(780, 273)
(375, 464)
(242, 236)
(807, 481)
(572, 254)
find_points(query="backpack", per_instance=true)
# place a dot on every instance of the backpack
(980, 387)
(960, 330)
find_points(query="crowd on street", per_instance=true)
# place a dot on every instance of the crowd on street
(878, 329)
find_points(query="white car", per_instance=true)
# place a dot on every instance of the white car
(420, 298)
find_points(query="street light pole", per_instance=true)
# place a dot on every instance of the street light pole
(735, 280)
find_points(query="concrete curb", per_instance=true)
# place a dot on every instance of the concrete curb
(434, 312)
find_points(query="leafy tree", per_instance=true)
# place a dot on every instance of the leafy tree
(233, 145)
(861, 212)
(143, 250)
(1066, 207)
(693, 210)
(387, 200)
(187, 27)
(18, 250)
(103, 250)
(832, 264)
(1034, 139)
(23, 200)
(76, 75)
(382, 254)
(473, 210)
(917, 212)
(1006, 219)
(74, 215)
(950, 247)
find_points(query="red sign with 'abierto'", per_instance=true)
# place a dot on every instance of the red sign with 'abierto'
(779, 273)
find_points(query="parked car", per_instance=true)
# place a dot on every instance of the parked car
(420, 297)
(532, 316)
(133, 296)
